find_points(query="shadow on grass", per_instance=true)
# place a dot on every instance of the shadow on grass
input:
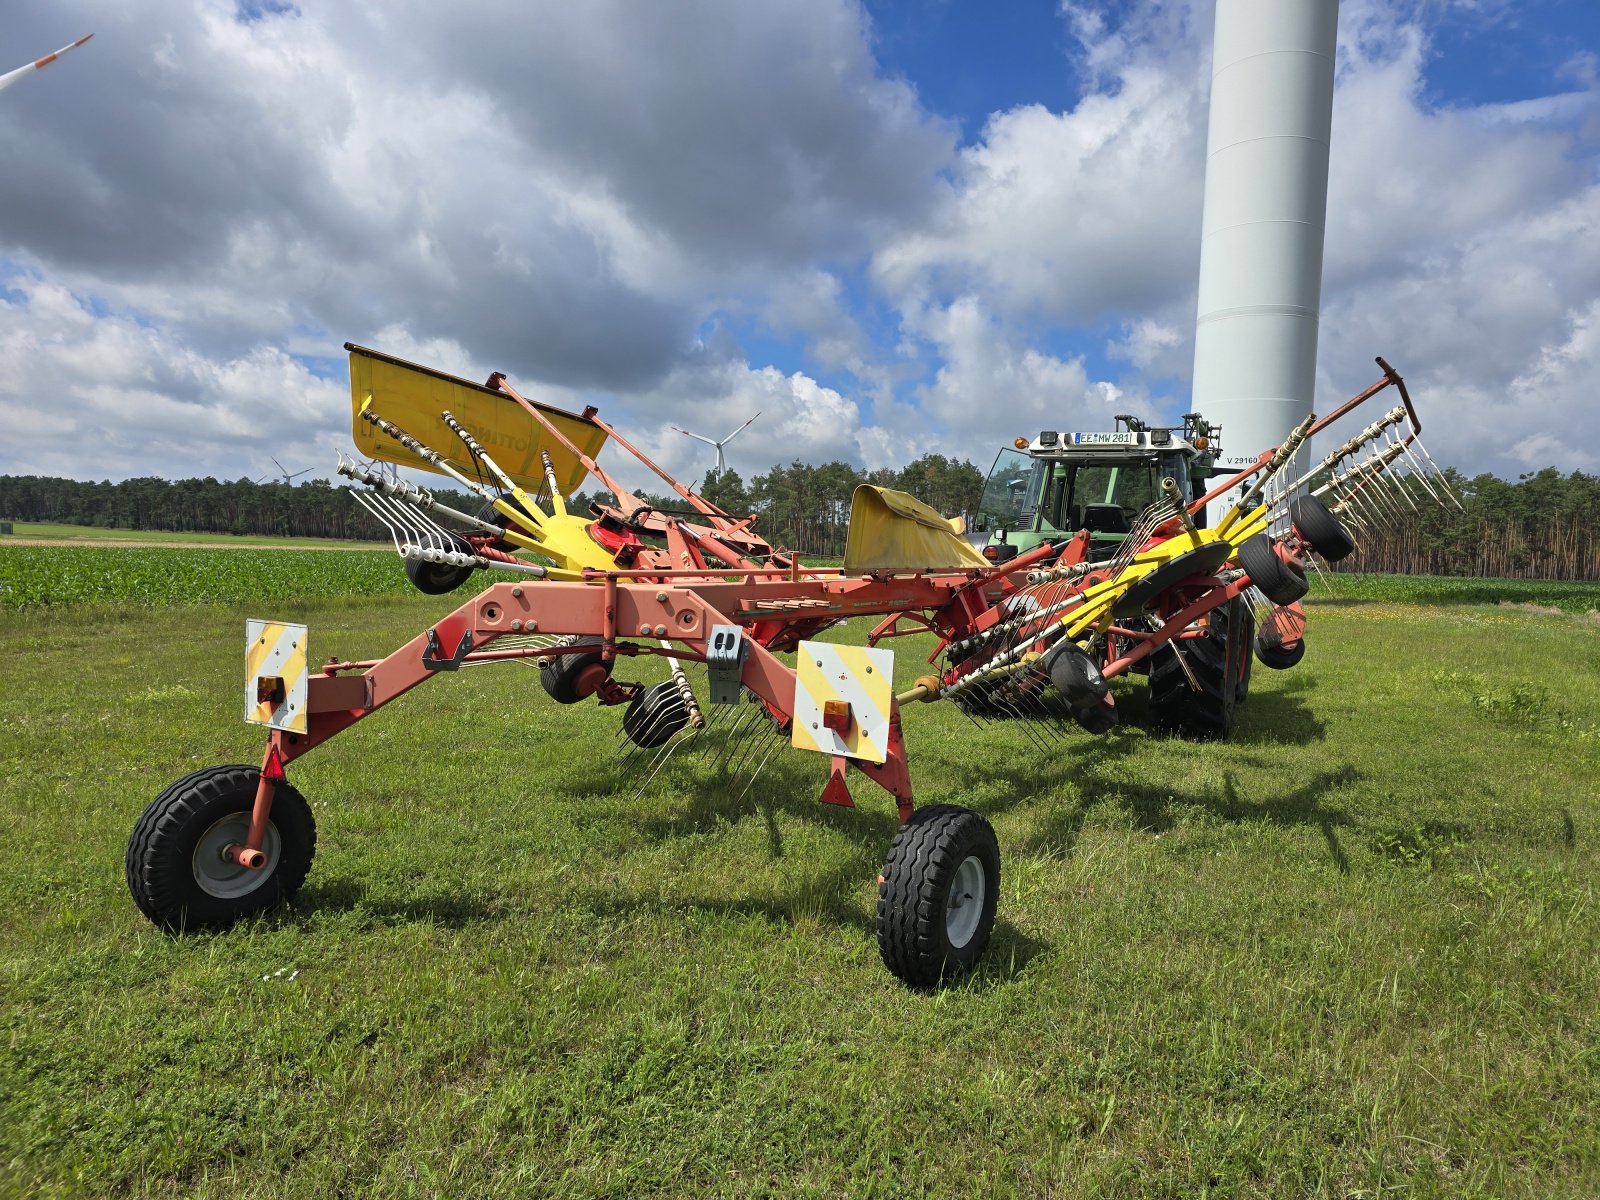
(454, 910)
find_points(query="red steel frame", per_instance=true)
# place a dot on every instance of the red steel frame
(682, 604)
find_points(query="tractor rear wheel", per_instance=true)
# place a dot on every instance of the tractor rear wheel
(1319, 528)
(937, 897)
(1280, 581)
(1241, 636)
(1215, 660)
(559, 673)
(175, 865)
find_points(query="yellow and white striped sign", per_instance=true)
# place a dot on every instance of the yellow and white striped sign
(275, 675)
(863, 679)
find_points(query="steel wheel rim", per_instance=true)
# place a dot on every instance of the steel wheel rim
(964, 902)
(223, 879)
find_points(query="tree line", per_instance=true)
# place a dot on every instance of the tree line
(800, 507)
(1544, 526)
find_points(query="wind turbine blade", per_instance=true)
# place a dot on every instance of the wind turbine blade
(695, 436)
(11, 77)
(737, 431)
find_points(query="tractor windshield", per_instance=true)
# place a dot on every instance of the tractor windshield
(1011, 496)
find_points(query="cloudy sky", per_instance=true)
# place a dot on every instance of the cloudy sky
(890, 227)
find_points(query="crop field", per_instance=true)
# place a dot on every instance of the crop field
(30, 531)
(48, 576)
(1353, 952)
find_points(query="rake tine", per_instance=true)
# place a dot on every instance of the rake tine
(668, 749)
(755, 738)
(765, 759)
(735, 735)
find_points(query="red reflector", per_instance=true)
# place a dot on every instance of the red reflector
(991, 552)
(836, 716)
(274, 768)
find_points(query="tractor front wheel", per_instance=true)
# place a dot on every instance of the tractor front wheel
(176, 864)
(936, 900)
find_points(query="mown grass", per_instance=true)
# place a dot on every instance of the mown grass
(1353, 952)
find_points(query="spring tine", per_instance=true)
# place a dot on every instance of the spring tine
(761, 734)
(730, 745)
(667, 750)
(772, 748)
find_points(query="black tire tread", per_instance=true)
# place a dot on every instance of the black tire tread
(558, 673)
(1279, 581)
(1320, 529)
(910, 936)
(1207, 714)
(155, 879)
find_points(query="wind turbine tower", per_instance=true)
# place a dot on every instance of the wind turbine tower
(722, 463)
(1266, 208)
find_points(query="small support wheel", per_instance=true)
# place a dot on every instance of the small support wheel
(937, 899)
(436, 579)
(1320, 529)
(175, 865)
(1280, 581)
(559, 673)
(655, 714)
(1282, 656)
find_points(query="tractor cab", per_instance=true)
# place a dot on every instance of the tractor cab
(1061, 482)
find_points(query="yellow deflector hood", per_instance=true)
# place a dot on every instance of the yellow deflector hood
(412, 397)
(891, 531)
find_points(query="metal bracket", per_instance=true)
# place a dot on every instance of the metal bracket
(725, 651)
(431, 660)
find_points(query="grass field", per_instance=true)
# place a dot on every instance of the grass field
(1354, 952)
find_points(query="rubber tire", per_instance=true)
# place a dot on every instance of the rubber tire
(1320, 529)
(1281, 582)
(436, 579)
(655, 714)
(922, 865)
(159, 859)
(1075, 675)
(1281, 657)
(1242, 636)
(1207, 714)
(1099, 717)
(559, 673)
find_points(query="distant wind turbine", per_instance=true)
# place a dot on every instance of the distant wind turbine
(11, 77)
(722, 463)
(287, 478)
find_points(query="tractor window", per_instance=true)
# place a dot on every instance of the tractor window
(1011, 495)
(1093, 493)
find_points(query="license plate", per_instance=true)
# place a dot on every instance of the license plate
(1102, 439)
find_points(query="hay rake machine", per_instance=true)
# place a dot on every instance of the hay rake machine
(1038, 638)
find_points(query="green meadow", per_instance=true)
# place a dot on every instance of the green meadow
(1353, 952)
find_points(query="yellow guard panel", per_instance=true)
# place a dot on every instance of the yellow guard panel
(891, 531)
(863, 679)
(412, 397)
